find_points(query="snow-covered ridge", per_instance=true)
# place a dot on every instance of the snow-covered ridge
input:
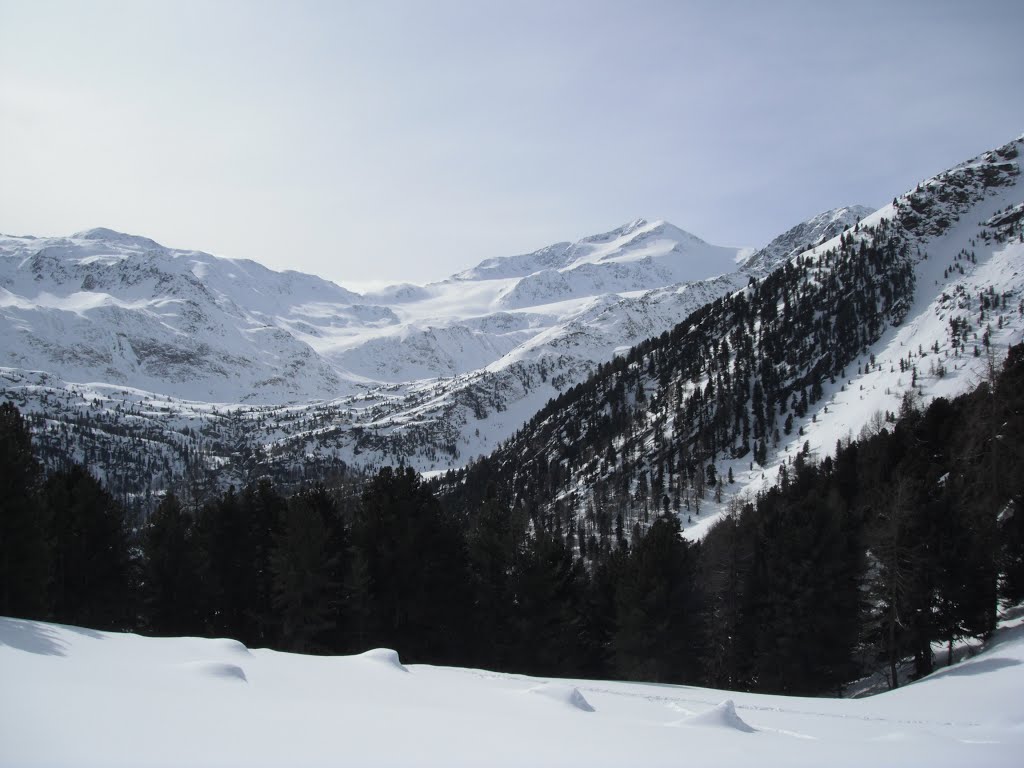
(92, 307)
(102, 306)
(804, 236)
(638, 256)
(907, 302)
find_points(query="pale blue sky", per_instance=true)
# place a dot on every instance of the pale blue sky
(409, 140)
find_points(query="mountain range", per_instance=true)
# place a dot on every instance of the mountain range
(113, 341)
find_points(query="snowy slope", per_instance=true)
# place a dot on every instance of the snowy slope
(973, 259)
(120, 309)
(75, 697)
(301, 370)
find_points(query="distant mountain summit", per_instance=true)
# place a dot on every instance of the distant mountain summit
(661, 254)
(806, 235)
(103, 306)
(120, 238)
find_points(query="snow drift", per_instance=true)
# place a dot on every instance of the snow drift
(76, 697)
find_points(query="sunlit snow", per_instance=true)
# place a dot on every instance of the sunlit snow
(75, 697)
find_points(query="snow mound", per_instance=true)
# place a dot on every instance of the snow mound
(228, 646)
(216, 669)
(722, 716)
(385, 656)
(568, 695)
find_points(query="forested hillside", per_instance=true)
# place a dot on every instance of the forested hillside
(664, 427)
(903, 539)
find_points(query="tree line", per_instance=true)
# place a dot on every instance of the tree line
(901, 540)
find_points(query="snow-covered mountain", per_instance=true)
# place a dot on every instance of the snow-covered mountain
(223, 364)
(430, 375)
(107, 307)
(962, 231)
(804, 236)
(917, 300)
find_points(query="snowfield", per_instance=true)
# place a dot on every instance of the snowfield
(77, 697)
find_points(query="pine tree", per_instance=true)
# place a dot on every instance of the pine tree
(725, 557)
(237, 533)
(170, 585)
(897, 561)
(548, 589)
(91, 569)
(1011, 534)
(305, 568)
(24, 558)
(411, 559)
(493, 541)
(659, 636)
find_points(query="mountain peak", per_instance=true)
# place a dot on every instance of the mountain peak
(625, 230)
(805, 235)
(103, 234)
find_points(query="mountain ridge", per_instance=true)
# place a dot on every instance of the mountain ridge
(430, 376)
(915, 297)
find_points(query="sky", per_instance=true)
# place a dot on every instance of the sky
(405, 141)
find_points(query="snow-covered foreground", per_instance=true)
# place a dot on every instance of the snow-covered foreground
(76, 697)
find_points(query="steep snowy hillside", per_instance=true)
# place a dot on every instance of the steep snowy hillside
(964, 229)
(77, 697)
(911, 302)
(109, 335)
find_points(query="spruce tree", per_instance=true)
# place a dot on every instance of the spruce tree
(659, 609)
(237, 532)
(411, 562)
(305, 567)
(92, 578)
(24, 557)
(493, 543)
(548, 592)
(171, 589)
